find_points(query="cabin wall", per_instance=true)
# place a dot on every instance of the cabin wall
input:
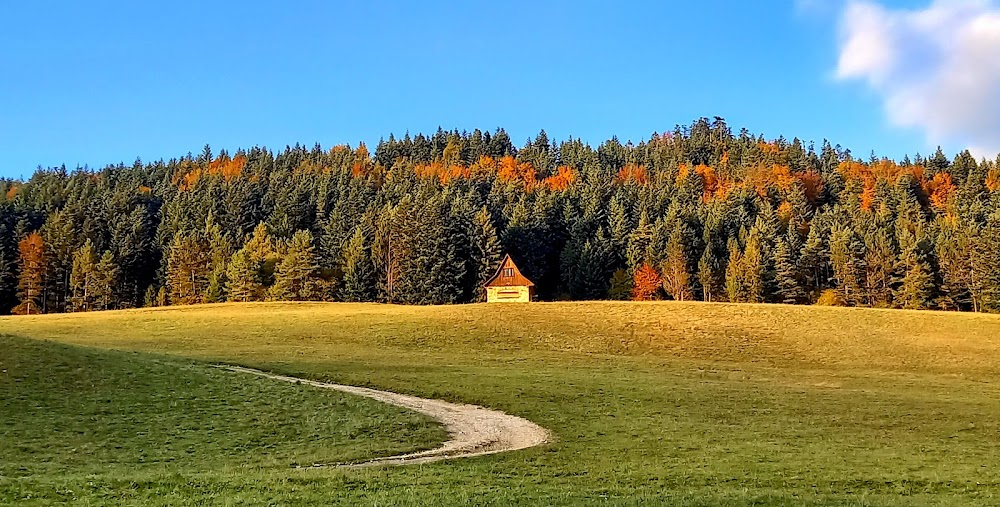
(508, 294)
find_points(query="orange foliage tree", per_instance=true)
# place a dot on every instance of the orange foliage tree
(29, 286)
(561, 180)
(633, 173)
(940, 189)
(646, 283)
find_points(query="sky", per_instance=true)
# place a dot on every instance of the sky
(101, 82)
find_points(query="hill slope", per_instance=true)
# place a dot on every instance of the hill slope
(687, 404)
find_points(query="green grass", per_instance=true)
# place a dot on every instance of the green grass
(72, 418)
(679, 404)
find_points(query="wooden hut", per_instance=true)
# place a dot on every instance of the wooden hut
(508, 285)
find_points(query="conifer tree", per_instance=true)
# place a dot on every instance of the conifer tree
(790, 289)
(188, 269)
(359, 273)
(847, 259)
(709, 271)
(487, 250)
(735, 284)
(812, 261)
(754, 266)
(296, 277)
(83, 297)
(917, 284)
(105, 282)
(251, 268)
(880, 261)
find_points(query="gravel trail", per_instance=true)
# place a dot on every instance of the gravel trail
(473, 430)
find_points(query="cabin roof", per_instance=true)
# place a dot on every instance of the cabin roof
(517, 280)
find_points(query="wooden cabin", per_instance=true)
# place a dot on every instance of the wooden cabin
(508, 285)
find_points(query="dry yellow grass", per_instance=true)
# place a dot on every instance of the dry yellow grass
(771, 335)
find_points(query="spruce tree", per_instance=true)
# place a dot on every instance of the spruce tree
(82, 279)
(105, 282)
(790, 289)
(188, 269)
(735, 285)
(358, 284)
(250, 270)
(486, 249)
(296, 277)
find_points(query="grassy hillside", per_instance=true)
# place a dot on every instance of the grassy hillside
(685, 404)
(71, 418)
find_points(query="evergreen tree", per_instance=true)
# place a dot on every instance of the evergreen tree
(251, 269)
(296, 277)
(847, 260)
(735, 284)
(790, 288)
(359, 272)
(487, 250)
(82, 279)
(105, 282)
(812, 262)
(188, 268)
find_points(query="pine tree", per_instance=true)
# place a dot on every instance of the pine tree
(754, 268)
(917, 285)
(359, 273)
(105, 282)
(296, 277)
(58, 234)
(487, 250)
(709, 271)
(251, 268)
(847, 259)
(81, 282)
(188, 268)
(812, 263)
(638, 243)
(880, 261)
(221, 253)
(8, 274)
(790, 289)
(735, 285)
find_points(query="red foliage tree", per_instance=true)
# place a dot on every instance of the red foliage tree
(646, 283)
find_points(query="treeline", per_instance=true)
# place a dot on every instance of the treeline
(694, 214)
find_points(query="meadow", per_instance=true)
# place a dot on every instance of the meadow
(669, 403)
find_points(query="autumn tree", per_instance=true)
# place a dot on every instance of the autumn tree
(31, 282)
(646, 284)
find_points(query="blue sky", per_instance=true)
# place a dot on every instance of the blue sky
(92, 83)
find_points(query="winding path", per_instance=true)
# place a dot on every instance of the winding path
(473, 430)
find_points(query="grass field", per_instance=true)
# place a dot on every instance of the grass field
(680, 404)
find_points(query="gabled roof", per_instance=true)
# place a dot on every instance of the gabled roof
(518, 280)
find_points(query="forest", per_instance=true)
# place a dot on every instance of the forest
(696, 213)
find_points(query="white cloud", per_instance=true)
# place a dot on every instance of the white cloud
(937, 69)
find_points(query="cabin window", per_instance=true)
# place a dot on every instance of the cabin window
(508, 272)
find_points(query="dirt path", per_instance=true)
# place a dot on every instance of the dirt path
(474, 430)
